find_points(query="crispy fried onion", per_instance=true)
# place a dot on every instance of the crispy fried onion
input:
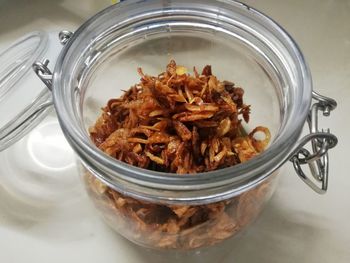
(178, 123)
(177, 226)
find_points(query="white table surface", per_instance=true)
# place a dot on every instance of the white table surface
(297, 226)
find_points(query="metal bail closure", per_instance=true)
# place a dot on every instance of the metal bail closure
(321, 141)
(64, 36)
(41, 68)
(43, 72)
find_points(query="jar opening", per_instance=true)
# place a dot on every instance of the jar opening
(231, 35)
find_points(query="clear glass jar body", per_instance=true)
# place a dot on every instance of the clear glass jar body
(163, 210)
(181, 226)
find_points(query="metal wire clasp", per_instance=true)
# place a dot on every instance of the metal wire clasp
(41, 68)
(321, 141)
(64, 36)
(43, 72)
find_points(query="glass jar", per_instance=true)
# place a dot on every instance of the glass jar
(164, 210)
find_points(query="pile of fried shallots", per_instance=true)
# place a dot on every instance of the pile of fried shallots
(178, 123)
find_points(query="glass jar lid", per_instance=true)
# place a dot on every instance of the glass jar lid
(22, 96)
(37, 164)
(17, 59)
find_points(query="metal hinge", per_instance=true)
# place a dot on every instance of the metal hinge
(321, 141)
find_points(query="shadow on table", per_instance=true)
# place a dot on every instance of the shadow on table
(64, 220)
(16, 213)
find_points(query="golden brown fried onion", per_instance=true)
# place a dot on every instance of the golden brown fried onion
(178, 123)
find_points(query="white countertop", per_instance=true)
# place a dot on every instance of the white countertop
(297, 226)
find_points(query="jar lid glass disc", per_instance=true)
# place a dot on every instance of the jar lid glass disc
(17, 60)
(21, 91)
(37, 164)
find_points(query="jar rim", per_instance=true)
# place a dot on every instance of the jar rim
(230, 181)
